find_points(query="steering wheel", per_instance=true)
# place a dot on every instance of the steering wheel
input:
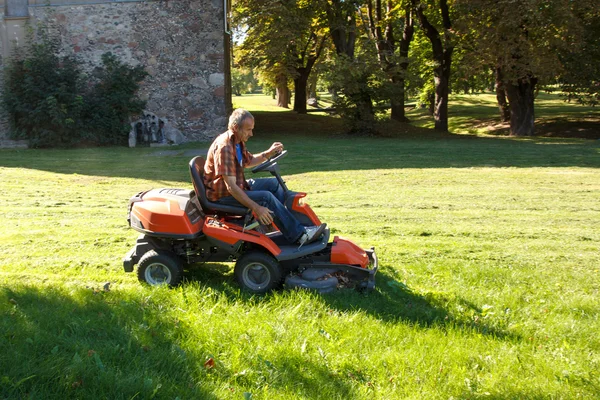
(266, 164)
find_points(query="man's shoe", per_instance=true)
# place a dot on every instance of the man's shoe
(311, 234)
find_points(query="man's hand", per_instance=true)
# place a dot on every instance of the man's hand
(259, 158)
(275, 148)
(263, 215)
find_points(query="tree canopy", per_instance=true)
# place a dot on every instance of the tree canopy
(381, 51)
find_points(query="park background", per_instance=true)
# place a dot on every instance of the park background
(488, 245)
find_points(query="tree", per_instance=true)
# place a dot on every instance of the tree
(581, 78)
(306, 59)
(392, 53)
(442, 53)
(242, 81)
(501, 96)
(353, 82)
(524, 41)
(285, 37)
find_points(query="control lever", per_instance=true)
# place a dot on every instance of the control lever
(251, 226)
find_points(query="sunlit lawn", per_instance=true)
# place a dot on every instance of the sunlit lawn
(488, 288)
(470, 114)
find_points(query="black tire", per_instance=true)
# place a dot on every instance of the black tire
(158, 267)
(257, 272)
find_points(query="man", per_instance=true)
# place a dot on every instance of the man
(225, 182)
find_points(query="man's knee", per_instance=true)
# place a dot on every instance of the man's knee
(265, 198)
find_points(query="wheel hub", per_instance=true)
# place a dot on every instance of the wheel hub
(157, 274)
(256, 276)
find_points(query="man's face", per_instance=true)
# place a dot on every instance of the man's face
(244, 132)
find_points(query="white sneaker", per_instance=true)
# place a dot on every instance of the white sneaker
(311, 234)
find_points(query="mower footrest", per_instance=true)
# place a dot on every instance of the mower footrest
(292, 252)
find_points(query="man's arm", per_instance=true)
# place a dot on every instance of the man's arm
(259, 158)
(263, 214)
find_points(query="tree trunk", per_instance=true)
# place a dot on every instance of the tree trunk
(521, 100)
(440, 108)
(398, 112)
(300, 85)
(364, 107)
(442, 54)
(501, 97)
(342, 27)
(312, 86)
(397, 102)
(386, 46)
(431, 103)
(283, 92)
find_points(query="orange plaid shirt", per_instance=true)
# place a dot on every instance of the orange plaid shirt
(221, 161)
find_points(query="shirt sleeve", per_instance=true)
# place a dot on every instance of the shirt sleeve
(247, 157)
(225, 162)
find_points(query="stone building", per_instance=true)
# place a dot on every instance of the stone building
(184, 46)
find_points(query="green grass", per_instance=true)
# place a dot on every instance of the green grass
(488, 286)
(475, 114)
(479, 114)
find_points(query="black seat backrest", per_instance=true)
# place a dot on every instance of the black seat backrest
(197, 173)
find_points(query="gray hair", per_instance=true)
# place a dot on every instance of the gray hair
(238, 116)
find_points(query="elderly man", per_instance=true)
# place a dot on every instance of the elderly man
(225, 182)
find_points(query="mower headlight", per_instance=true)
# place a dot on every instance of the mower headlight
(135, 221)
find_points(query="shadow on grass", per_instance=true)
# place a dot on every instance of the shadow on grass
(391, 301)
(90, 343)
(314, 144)
(86, 343)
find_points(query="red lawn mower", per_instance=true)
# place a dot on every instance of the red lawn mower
(181, 228)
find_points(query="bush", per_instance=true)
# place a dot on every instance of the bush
(361, 94)
(49, 102)
(112, 101)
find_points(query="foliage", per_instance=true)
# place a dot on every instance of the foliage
(111, 102)
(533, 42)
(391, 33)
(51, 103)
(580, 80)
(358, 83)
(420, 67)
(285, 37)
(524, 42)
(42, 96)
(524, 38)
(243, 81)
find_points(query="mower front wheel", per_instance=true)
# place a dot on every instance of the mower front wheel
(160, 268)
(257, 272)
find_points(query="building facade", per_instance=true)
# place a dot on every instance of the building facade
(184, 45)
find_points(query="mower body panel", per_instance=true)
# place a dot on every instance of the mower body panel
(233, 235)
(166, 212)
(300, 209)
(343, 251)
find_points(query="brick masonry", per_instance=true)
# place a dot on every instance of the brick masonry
(179, 42)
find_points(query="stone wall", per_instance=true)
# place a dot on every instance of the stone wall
(181, 44)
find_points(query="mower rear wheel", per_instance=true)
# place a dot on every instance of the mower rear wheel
(158, 267)
(257, 272)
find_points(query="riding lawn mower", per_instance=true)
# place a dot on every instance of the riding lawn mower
(182, 228)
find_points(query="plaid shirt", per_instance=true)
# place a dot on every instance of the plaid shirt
(221, 161)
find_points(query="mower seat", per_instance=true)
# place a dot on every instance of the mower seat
(197, 173)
